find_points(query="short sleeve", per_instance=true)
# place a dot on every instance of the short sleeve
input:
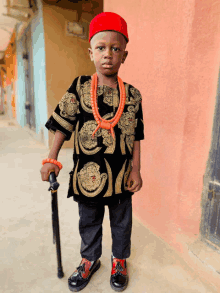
(139, 123)
(66, 113)
(139, 129)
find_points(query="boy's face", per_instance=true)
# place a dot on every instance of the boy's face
(108, 52)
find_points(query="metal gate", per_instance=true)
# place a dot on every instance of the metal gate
(29, 80)
(210, 224)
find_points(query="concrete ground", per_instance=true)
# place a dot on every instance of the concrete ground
(27, 254)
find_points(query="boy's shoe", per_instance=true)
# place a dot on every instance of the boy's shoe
(119, 277)
(82, 275)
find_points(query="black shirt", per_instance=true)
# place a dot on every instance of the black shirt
(101, 164)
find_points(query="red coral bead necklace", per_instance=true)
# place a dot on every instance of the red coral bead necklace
(103, 123)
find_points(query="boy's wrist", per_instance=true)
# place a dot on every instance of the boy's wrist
(136, 169)
(53, 156)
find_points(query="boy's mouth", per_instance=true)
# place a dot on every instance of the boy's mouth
(107, 65)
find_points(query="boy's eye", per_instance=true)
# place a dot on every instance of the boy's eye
(100, 48)
(116, 49)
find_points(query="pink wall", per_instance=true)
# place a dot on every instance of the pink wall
(174, 54)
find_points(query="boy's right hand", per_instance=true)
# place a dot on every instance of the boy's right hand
(45, 171)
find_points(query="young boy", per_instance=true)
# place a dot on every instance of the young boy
(106, 117)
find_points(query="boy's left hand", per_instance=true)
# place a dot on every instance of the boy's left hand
(134, 177)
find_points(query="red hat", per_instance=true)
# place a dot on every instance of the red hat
(108, 21)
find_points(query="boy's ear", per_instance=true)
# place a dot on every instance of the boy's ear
(124, 56)
(90, 53)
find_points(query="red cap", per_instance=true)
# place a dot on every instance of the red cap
(108, 21)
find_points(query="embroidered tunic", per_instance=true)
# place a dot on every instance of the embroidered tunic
(101, 164)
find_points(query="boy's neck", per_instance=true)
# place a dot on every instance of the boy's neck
(110, 81)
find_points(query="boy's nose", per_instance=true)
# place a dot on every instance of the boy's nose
(108, 53)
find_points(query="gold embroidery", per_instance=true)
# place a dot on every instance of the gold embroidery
(126, 89)
(69, 106)
(90, 181)
(127, 121)
(63, 122)
(119, 179)
(85, 97)
(74, 179)
(130, 142)
(110, 96)
(122, 144)
(76, 138)
(87, 143)
(115, 102)
(74, 142)
(78, 86)
(107, 137)
(136, 94)
(108, 141)
(110, 188)
(127, 173)
(100, 90)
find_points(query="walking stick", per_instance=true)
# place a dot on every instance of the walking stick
(55, 221)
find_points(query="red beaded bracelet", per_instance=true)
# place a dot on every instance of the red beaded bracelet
(52, 161)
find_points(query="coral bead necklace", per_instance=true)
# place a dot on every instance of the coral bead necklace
(103, 123)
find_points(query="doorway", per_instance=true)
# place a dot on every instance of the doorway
(29, 80)
(210, 223)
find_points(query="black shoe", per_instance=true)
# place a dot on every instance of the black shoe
(82, 275)
(119, 277)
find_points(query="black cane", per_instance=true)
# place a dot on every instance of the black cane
(55, 221)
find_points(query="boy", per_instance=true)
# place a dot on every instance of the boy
(106, 117)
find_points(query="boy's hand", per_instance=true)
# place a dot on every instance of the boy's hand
(45, 171)
(134, 182)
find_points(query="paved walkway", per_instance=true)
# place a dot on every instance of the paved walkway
(27, 254)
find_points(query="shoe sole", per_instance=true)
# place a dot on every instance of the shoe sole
(119, 289)
(76, 289)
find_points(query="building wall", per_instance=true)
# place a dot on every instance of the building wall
(10, 62)
(39, 68)
(66, 57)
(174, 54)
(39, 75)
(20, 85)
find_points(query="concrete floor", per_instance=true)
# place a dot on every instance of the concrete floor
(27, 254)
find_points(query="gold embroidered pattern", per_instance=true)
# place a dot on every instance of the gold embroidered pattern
(85, 97)
(69, 106)
(127, 90)
(127, 121)
(90, 181)
(76, 138)
(63, 122)
(107, 137)
(100, 90)
(110, 188)
(130, 142)
(122, 144)
(127, 125)
(119, 179)
(78, 86)
(88, 144)
(74, 179)
(136, 94)
(110, 96)
(127, 173)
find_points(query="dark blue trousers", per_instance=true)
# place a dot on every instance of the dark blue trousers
(90, 229)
